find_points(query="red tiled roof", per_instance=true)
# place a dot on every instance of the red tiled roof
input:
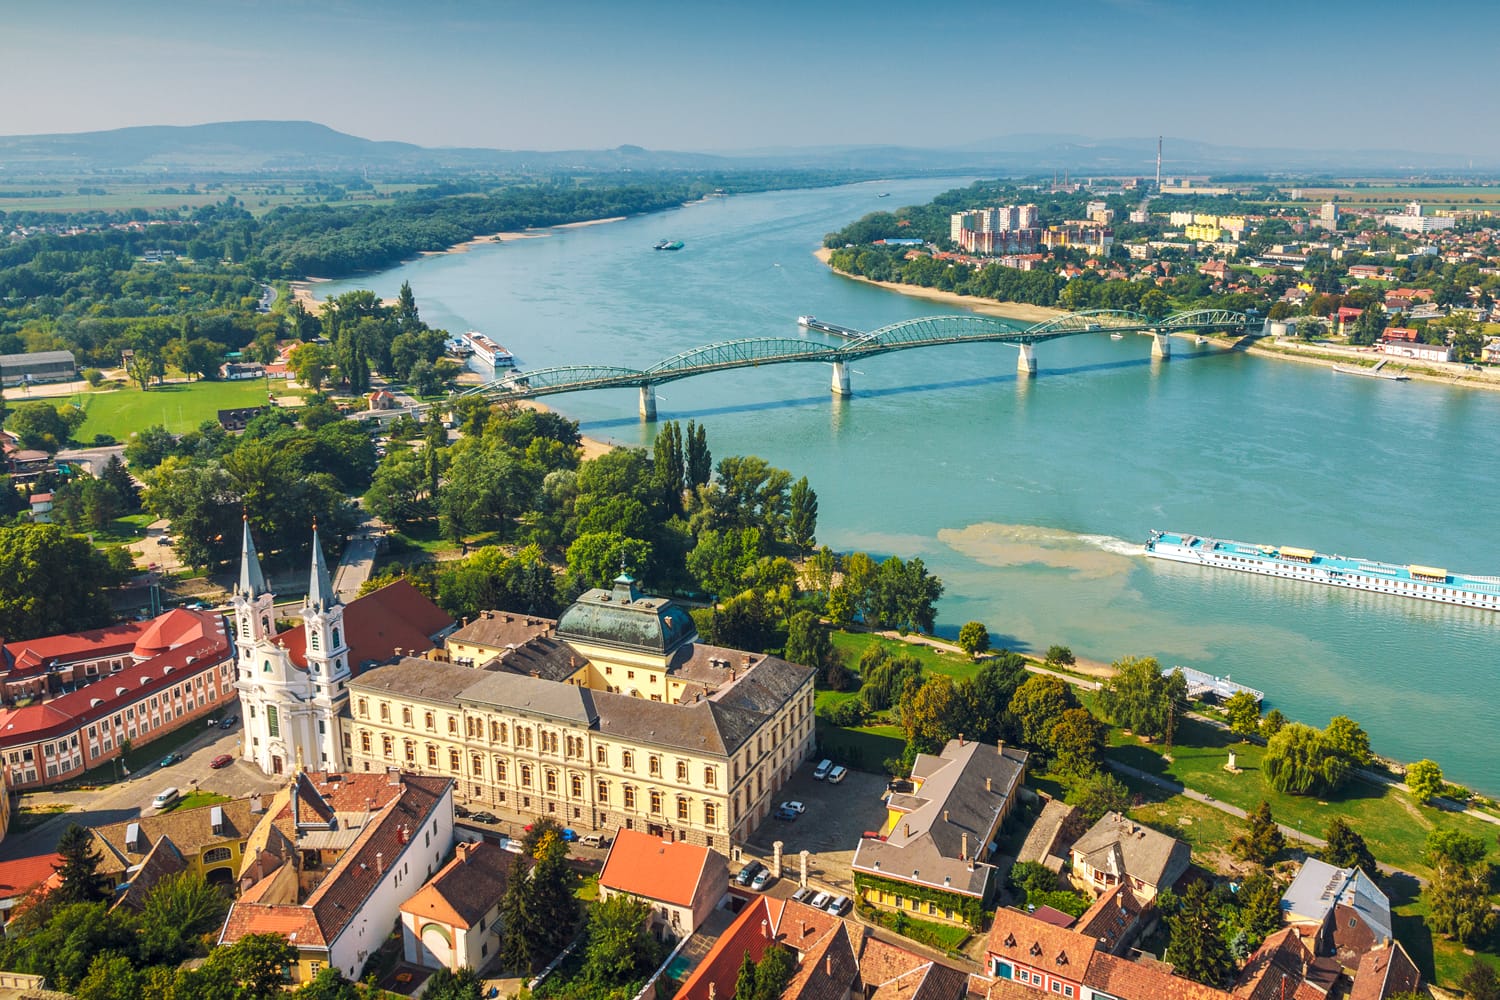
(397, 616)
(30, 655)
(647, 866)
(1383, 972)
(750, 934)
(37, 722)
(20, 876)
(1022, 938)
(1121, 977)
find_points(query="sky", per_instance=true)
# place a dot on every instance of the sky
(730, 77)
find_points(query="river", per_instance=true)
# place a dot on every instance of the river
(1030, 498)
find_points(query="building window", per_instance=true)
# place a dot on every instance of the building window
(629, 797)
(452, 725)
(478, 766)
(551, 776)
(431, 755)
(601, 754)
(627, 760)
(428, 721)
(364, 742)
(411, 752)
(575, 783)
(710, 778)
(497, 732)
(406, 715)
(656, 803)
(603, 792)
(386, 744)
(453, 761)
(683, 809)
(682, 770)
(214, 855)
(273, 724)
(525, 775)
(654, 766)
(500, 769)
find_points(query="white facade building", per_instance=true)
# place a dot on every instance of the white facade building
(291, 708)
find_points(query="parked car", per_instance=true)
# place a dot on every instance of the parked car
(485, 817)
(462, 812)
(794, 806)
(165, 798)
(164, 540)
(223, 760)
(785, 815)
(802, 895)
(838, 905)
(171, 759)
(873, 835)
(821, 900)
(229, 722)
(569, 835)
(837, 774)
(762, 879)
(747, 874)
(593, 840)
(821, 771)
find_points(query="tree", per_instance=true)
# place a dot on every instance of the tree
(698, 459)
(595, 559)
(118, 480)
(1448, 848)
(1481, 981)
(808, 643)
(551, 908)
(1197, 948)
(311, 364)
(1077, 741)
(329, 984)
(772, 974)
(1141, 698)
(620, 947)
(1347, 849)
(903, 596)
(1299, 761)
(1348, 740)
(254, 966)
(1262, 840)
(1425, 779)
(1244, 713)
(1273, 723)
(802, 516)
(176, 912)
(928, 712)
(515, 954)
(1260, 906)
(78, 868)
(1060, 656)
(111, 976)
(744, 982)
(974, 638)
(1038, 705)
(1458, 901)
(44, 426)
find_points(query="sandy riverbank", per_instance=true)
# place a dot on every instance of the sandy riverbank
(988, 307)
(1328, 355)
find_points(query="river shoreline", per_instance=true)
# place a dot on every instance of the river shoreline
(1457, 375)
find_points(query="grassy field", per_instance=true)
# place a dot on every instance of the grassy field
(864, 749)
(854, 644)
(181, 406)
(195, 799)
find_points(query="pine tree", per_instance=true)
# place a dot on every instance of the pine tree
(1262, 840)
(1347, 849)
(551, 908)
(802, 516)
(699, 461)
(406, 308)
(1197, 947)
(515, 955)
(744, 983)
(119, 480)
(81, 881)
(1260, 903)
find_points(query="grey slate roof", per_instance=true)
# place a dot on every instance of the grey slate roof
(414, 677)
(542, 657)
(533, 696)
(1319, 887)
(766, 687)
(701, 727)
(498, 629)
(1121, 846)
(624, 619)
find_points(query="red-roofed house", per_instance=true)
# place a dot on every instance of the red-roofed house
(135, 683)
(19, 877)
(683, 882)
(333, 859)
(453, 922)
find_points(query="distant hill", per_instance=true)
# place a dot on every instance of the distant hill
(303, 147)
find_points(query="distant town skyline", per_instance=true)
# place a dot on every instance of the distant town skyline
(725, 77)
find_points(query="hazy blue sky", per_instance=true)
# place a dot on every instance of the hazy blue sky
(714, 75)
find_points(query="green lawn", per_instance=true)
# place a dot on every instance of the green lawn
(864, 749)
(196, 799)
(1392, 824)
(181, 406)
(854, 644)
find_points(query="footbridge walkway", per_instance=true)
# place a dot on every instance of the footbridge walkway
(932, 331)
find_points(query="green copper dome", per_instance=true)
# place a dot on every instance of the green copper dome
(624, 619)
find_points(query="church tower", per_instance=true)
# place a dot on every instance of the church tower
(327, 655)
(254, 615)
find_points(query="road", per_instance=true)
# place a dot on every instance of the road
(354, 568)
(126, 799)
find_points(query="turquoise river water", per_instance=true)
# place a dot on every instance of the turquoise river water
(1031, 498)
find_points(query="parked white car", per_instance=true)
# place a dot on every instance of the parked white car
(821, 771)
(837, 774)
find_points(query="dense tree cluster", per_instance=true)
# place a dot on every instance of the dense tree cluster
(1302, 760)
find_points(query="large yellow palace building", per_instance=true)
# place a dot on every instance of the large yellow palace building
(617, 717)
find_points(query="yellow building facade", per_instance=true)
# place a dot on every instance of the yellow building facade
(621, 719)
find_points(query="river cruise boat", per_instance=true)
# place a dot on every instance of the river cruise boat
(1426, 583)
(489, 352)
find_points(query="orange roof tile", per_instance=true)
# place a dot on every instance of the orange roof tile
(652, 868)
(20, 876)
(1121, 977)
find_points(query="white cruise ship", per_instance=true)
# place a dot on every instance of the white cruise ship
(489, 352)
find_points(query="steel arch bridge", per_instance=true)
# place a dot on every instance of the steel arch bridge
(927, 331)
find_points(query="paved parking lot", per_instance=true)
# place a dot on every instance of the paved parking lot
(830, 829)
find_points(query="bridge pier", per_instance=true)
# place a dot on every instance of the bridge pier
(1161, 344)
(840, 384)
(1026, 361)
(648, 403)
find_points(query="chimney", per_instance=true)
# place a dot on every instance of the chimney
(765, 929)
(464, 619)
(989, 784)
(748, 661)
(906, 827)
(713, 990)
(802, 926)
(960, 739)
(945, 815)
(828, 966)
(1001, 747)
(489, 614)
(964, 850)
(400, 651)
(379, 862)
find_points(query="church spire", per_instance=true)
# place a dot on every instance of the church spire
(252, 580)
(320, 593)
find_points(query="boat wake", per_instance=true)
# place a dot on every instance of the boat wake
(1087, 557)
